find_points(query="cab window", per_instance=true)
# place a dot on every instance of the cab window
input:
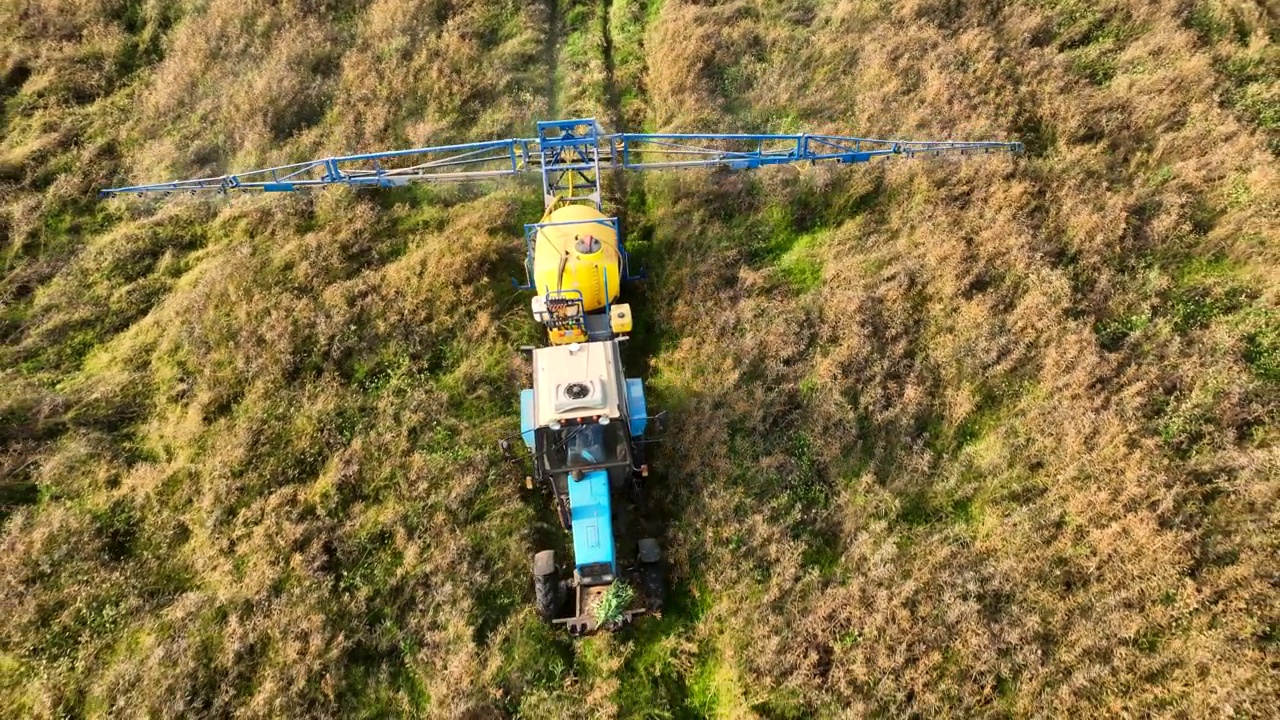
(583, 446)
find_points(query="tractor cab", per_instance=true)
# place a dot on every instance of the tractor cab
(586, 446)
(584, 423)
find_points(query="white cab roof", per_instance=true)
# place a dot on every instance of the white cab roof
(577, 380)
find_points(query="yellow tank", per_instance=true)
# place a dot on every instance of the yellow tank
(582, 256)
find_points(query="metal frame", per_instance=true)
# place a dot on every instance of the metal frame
(569, 151)
(446, 163)
(569, 155)
(531, 236)
(666, 151)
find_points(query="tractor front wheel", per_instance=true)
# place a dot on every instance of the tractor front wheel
(546, 584)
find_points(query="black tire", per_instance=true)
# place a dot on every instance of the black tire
(546, 584)
(652, 576)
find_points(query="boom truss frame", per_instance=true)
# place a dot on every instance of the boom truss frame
(569, 154)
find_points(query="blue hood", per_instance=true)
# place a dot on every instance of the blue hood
(590, 511)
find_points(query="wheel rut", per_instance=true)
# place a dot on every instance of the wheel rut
(551, 57)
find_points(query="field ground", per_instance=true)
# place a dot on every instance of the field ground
(989, 437)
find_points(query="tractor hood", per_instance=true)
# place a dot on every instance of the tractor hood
(592, 516)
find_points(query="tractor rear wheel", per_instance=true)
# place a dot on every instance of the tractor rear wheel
(652, 577)
(546, 585)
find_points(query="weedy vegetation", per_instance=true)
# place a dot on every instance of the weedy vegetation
(993, 437)
(613, 603)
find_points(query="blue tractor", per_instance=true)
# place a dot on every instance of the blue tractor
(585, 424)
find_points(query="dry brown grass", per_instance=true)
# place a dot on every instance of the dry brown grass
(993, 437)
(1013, 517)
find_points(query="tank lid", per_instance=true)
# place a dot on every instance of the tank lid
(587, 244)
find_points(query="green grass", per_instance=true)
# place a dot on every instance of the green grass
(1262, 350)
(800, 265)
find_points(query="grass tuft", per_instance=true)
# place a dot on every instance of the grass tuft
(615, 601)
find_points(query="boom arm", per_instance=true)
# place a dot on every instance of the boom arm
(447, 163)
(740, 152)
(568, 154)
